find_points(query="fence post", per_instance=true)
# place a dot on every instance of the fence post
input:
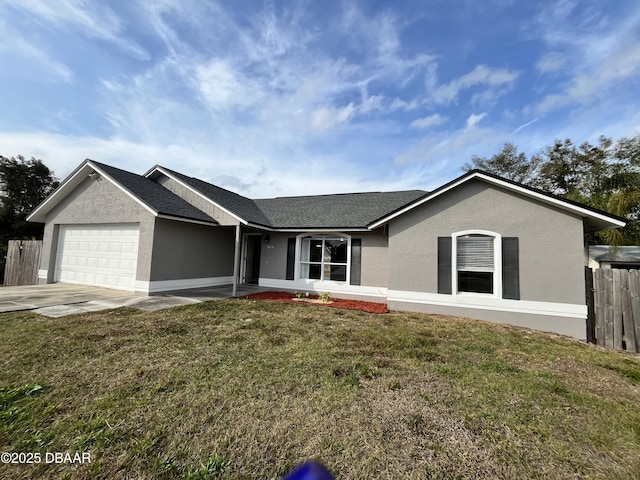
(634, 294)
(617, 310)
(598, 284)
(607, 277)
(629, 334)
(591, 312)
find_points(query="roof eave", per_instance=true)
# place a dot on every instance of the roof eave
(163, 171)
(74, 179)
(178, 218)
(308, 229)
(602, 219)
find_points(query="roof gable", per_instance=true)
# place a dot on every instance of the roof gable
(242, 208)
(150, 195)
(595, 219)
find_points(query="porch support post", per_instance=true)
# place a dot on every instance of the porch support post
(236, 262)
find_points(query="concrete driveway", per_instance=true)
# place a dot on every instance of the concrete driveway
(60, 299)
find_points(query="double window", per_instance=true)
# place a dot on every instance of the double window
(324, 257)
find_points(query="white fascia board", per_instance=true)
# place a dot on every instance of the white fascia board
(583, 212)
(317, 230)
(193, 190)
(52, 200)
(303, 230)
(186, 220)
(414, 205)
(121, 188)
(551, 200)
(39, 214)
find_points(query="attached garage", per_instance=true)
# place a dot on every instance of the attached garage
(98, 255)
(100, 230)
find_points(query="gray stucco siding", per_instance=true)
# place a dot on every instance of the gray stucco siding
(273, 256)
(571, 326)
(374, 263)
(196, 200)
(98, 201)
(550, 250)
(188, 251)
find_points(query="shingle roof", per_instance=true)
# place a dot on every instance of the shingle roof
(243, 207)
(154, 195)
(351, 210)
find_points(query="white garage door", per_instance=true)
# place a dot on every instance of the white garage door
(99, 255)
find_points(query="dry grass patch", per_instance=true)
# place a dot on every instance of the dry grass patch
(240, 389)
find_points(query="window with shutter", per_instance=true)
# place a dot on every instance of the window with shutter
(475, 263)
(479, 262)
(324, 257)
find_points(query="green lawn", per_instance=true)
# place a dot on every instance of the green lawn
(249, 389)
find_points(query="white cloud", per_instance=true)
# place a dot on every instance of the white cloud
(94, 19)
(49, 70)
(224, 87)
(474, 119)
(398, 104)
(593, 84)
(551, 62)
(324, 118)
(372, 103)
(451, 147)
(525, 125)
(16, 47)
(429, 121)
(480, 75)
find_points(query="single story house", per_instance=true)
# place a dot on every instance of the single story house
(606, 256)
(479, 246)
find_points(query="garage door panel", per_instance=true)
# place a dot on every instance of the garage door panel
(100, 255)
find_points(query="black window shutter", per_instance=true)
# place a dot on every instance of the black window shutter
(444, 265)
(510, 268)
(356, 254)
(291, 257)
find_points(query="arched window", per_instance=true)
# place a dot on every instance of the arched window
(476, 262)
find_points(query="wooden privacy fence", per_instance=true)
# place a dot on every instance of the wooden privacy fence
(23, 261)
(616, 308)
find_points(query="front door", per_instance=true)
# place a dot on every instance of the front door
(251, 264)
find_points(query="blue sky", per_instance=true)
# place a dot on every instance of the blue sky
(304, 97)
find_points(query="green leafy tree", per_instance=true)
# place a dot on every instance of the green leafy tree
(24, 184)
(604, 176)
(508, 163)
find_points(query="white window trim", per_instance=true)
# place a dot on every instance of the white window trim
(497, 263)
(299, 255)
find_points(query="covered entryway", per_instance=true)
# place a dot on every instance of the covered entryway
(98, 255)
(251, 258)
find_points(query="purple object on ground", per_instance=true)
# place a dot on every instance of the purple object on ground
(310, 471)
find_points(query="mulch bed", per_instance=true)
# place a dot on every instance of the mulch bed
(370, 307)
